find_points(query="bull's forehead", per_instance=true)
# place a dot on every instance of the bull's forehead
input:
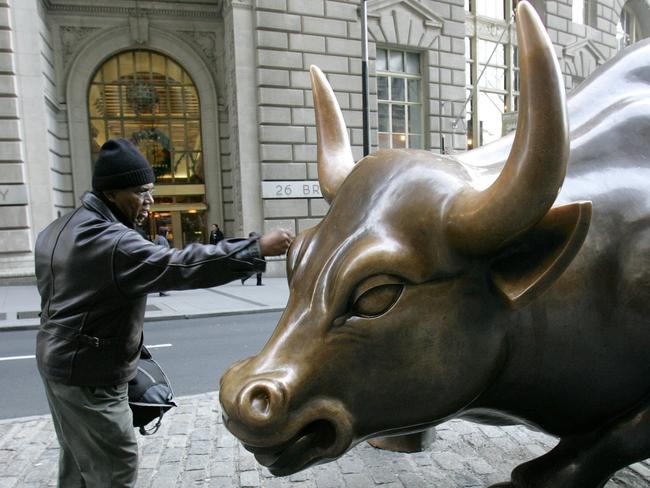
(390, 185)
(388, 217)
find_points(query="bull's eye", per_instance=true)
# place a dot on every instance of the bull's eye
(376, 296)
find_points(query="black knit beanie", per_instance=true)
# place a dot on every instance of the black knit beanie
(121, 165)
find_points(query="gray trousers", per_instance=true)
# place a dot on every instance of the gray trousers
(95, 430)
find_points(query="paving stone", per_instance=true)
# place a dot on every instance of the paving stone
(220, 482)
(202, 453)
(479, 466)
(172, 455)
(196, 462)
(300, 476)
(247, 461)
(8, 481)
(249, 479)
(225, 453)
(200, 447)
(412, 480)
(203, 434)
(450, 461)
(148, 461)
(383, 475)
(221, 469)
(350, 464)
(328, 476)
(190, 479)
(359, 480)
(167, 475)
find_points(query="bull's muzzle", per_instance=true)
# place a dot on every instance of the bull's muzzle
(285, 437)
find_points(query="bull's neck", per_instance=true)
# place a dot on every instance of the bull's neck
(512, 376)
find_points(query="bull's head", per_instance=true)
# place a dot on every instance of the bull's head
(394, 320)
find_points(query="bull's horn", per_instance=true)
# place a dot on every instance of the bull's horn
(482, 222)
(335, 159)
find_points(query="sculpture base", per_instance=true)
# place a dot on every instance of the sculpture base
(417, 442)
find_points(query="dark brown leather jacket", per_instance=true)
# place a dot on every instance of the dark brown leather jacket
(94, 274)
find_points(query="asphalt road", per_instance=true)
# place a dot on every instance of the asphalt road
(193, 353)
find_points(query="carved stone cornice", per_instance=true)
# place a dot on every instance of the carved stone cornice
(429, 16)
(585, 45)
(580, 60)
(98, 11)
(403, 22)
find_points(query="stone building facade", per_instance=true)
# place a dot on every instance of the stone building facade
(217, 95)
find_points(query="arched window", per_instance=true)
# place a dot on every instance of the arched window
(150, 99)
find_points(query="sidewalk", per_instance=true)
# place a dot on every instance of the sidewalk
(20, 305)
(193, 449)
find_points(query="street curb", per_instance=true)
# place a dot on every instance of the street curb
(24, 420)
(212, 314)
(12, 327)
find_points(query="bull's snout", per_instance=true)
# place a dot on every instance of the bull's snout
(252, 405)
(256, 408)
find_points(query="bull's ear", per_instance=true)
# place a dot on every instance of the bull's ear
(531, 264)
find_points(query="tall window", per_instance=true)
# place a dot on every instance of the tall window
(584, 12)
(628, 30)
(492, 75)
(578, 11)
(150, 99)
(399, 94)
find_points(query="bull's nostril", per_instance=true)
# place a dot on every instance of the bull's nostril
(261, 402)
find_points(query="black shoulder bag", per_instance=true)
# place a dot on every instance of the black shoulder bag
(150, 394)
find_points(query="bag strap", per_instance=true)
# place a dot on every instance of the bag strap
(155, 428)
(145, 354)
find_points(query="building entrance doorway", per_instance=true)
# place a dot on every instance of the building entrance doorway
(180, 227)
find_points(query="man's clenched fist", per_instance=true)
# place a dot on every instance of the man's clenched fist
(275, 243)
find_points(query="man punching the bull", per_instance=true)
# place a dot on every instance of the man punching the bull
(94, 272)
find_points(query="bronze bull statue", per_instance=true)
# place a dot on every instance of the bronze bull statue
(463, 286)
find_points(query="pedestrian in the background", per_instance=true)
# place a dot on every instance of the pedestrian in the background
(258, 275)
(94, 272)
(215, 234)
(161, 238)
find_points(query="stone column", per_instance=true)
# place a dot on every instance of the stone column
(239, 19)
(25, 179)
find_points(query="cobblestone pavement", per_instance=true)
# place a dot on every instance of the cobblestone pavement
(193, 449)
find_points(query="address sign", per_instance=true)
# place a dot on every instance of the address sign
(291, 189)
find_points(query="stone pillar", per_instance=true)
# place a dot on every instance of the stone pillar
(25, 180)
(239, 19)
